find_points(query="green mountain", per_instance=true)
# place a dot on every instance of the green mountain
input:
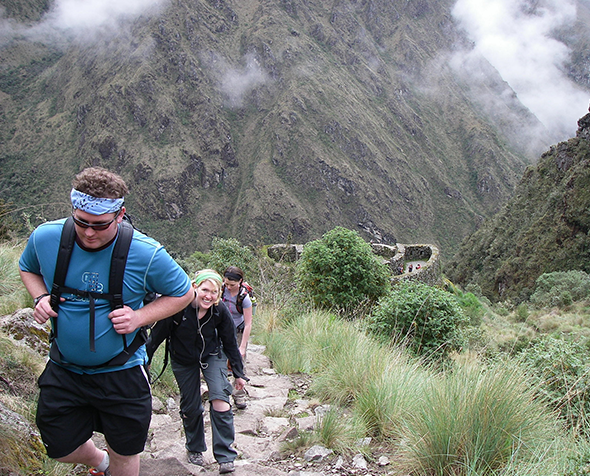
(267, 121)
(545, 227)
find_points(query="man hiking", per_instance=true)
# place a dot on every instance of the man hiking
(95, 379)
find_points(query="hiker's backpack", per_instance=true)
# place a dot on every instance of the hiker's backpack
(245, 290)
(161, 331)
(115, 294)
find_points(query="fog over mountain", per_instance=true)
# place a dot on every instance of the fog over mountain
(278, 120)
(518, 38)
(515, 36)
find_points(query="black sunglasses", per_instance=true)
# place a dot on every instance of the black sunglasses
(94, 226)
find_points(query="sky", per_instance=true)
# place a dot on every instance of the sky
(515, 37)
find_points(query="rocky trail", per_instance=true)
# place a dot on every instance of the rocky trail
(271, 418)
(258, 435)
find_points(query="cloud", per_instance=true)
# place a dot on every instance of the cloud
(78, 20)
(515, 36)
(92, 14)
(236, 82)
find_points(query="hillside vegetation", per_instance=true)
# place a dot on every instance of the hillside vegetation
(543, 228)
(466, 388)
(269, 121)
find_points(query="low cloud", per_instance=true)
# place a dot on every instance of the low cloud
(236, 82)
(81, 21)
(515, 37)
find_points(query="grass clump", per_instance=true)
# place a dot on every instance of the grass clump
(471, 418)
(13, 294)
(474, 420)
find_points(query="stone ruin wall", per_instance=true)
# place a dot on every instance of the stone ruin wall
(392, 255)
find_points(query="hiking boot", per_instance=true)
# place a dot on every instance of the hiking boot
(226, 467)
(95, 472)
(240, 402)
(196, 458)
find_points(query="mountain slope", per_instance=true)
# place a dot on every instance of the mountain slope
(263, 120)
(543, 228)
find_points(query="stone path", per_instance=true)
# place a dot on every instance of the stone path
(258, 434)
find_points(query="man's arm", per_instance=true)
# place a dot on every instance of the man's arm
(36, 287)
(126, 320)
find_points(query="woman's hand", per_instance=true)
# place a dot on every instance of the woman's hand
(239, 383)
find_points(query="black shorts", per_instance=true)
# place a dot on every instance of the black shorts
(72, 406)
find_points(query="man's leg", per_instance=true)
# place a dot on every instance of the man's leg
(86, 453)
(123, 465)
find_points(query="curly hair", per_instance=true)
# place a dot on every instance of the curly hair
(100, 183)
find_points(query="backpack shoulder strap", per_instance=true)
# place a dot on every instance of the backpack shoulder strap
(242, 293)
(64, 253)
(118, 261)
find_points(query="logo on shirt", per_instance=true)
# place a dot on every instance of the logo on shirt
(92, 283)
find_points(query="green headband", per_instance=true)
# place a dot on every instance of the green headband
(204, 275)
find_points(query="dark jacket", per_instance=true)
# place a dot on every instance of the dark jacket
(192, 340)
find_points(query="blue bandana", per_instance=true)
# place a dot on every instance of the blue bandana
(94, 205)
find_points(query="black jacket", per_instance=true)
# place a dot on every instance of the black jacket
(192, 340)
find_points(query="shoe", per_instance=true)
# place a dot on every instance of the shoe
(95, 472)
(240, 402)
(196, 458)
(226, 467)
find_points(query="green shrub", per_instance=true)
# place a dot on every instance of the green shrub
(229, 252)
(561, 288)
(522, 312)
(472, 307)
(427, 318)
(341, 271)
(562, 368)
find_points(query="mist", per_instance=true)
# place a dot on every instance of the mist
(235, 82)
(515, 37)
(80, 21)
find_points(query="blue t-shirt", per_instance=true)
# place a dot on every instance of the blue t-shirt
(149, 268)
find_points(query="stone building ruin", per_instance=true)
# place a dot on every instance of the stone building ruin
(395, 256)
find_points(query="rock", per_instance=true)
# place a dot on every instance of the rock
(359, 461)
(23, 328)
(317, 453)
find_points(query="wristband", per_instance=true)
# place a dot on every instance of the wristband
(38, 298)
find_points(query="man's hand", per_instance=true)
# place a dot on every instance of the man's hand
(43, 310)
(125, 320)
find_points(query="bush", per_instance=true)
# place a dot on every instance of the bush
(229, 252)
(427, 318)
(341, 271)
(562, 368)
(561, 288)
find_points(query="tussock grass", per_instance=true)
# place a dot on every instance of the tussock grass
(166, 385)
(13, 295)
(475, 420)
(470, 419)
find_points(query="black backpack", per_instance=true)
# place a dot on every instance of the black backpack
(245, 290)
(161, 331)
(115, 295)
